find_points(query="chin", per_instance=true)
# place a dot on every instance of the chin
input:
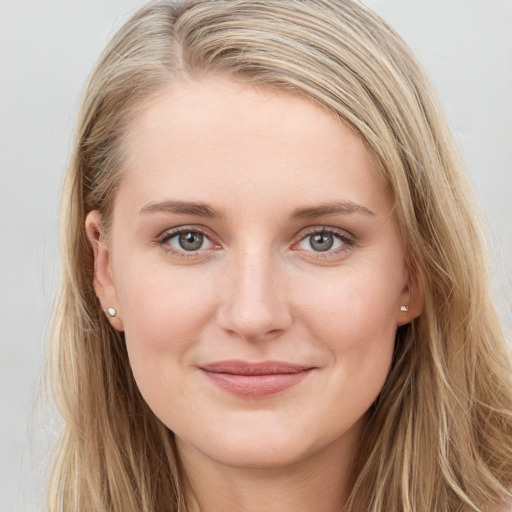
(268, 445)
(257, 455)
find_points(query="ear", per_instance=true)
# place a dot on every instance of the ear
(412, 299)
(103, 283)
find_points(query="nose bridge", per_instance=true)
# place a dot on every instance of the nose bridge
(255, 303)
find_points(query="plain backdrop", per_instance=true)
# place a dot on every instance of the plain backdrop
(47, 48)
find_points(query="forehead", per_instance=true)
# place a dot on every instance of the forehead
(222, 138)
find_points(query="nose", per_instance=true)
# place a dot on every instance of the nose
(254, 304)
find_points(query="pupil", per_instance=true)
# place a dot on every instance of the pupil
(321, 242)
(191, 241)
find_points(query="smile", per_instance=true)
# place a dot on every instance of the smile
(255, 380)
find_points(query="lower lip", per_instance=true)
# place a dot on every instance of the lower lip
(256, 386)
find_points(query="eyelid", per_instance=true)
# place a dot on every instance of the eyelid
(312, 230)
(170, 233)
(348, 239)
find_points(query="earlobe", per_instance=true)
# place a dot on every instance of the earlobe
(104, 285)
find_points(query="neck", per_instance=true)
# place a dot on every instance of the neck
(322, 481)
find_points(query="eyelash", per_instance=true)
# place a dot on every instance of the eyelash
(168, 235)
(345, 238)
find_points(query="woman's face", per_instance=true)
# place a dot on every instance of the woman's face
(256, 269)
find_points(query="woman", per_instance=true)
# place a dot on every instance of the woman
(273, 294)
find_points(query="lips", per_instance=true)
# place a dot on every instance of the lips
(255, 380)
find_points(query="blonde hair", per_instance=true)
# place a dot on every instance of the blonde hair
(440, 433)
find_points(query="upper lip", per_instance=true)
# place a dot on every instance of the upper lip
(236, 367)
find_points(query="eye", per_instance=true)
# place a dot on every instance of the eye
(186, 240)
(325, 241)
(321, 242)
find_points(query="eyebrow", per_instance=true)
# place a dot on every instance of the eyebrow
(334, 208)
(181, 207)
(204, 210)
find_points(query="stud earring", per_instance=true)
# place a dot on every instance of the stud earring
(404, 309)
(111, 312)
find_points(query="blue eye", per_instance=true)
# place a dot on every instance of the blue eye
(187, 240)
(324, 241)
(321, 241)
(190, 241)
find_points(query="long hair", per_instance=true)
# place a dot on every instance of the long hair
(440, 433)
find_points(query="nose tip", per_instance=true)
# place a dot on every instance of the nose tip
(255, 306)
(253, 325)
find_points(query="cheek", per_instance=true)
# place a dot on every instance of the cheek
(355, 307)
(354, 318)
(161, 298)
(164, 311)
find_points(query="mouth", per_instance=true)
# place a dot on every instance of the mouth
(255, 380)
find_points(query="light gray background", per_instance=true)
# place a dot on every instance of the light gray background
(47, 48)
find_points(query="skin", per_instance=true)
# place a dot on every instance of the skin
(258, 289)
